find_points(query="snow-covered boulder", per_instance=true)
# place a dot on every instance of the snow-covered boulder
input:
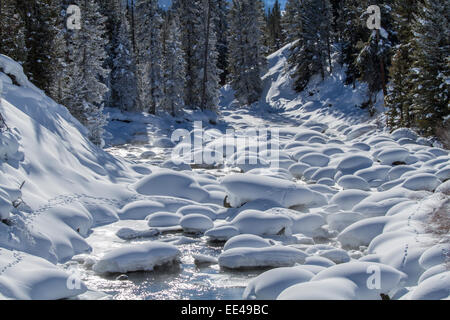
(196, 209)
(222, 233)
(315, 159)
(422, 181)
(164, 219)
(352, 163)
(327, 289)
(404, 133)
(171, 183)
(347, 199)
(196, 223)
(274, 256)
(433, 288)
(298, 169)
(362, 232)
(246, 241)
(437, 254)
(261, 223)
(340, 220)
(243, 188)
(391, 156)
(270, 284)
(372, 279)
(353, 182)
(141, 257)
(319, 261)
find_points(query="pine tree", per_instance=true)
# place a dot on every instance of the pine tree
(207, 56)
(123, 70)
(174, 66)
(149, 55)
(291, 20)
(40, 29)
(221, 10)
(312, 53)
(375, 53)
(12, 32)
(246, 58)
(275, 36)
(84, 92)
(349, 31)
(398, 100)
(431, 67)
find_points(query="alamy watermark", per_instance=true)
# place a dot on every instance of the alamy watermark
(73, 17)
(374, 19)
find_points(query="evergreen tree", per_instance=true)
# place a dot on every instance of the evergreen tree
(189, 12)
(149, 54)
(291, 20)
(246, 58)
(398, 100)
(123, 70)
(349, 31)
(312, 53)
(221, 10)
(375, 53)
(12, 32)
(39, 18)
(84, 91)
(275, 36)
(431, 67)
(174, 77)
(207, 56)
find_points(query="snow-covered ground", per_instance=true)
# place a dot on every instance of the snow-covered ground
(298, 197)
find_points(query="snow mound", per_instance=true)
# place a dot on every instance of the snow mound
(246, 241)
(422, 181)
(141, 257)
(26, 277)
(372, 279)
(196, 223)
(270, 284)
(261, 223)
(327, 289)
(246, 187)
(274, 256)
(433, 288)
(171, 183)
(164, 219)
(222, 233)
(361, 233)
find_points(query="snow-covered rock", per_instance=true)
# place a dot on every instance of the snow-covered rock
(245, 187)
(246, 241)
(141, 257)
(222, 233)
(164, 219)
(261, 223)
(423, 181)
(327, 289)
(171, 183)
(434, 288)
(274, 256)
(196, 223)
(371, 279)
(270, 284)
(347, 199)
(353, 182)
(362, 232)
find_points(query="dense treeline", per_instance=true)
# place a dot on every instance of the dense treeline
(132, 55)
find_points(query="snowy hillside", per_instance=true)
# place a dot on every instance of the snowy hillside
(330, 202)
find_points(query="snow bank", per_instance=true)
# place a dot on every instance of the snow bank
(27, 277)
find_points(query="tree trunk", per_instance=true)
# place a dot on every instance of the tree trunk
(206, 53)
